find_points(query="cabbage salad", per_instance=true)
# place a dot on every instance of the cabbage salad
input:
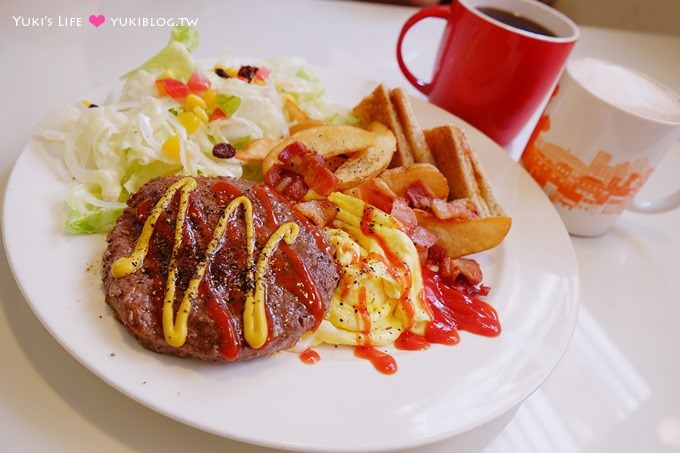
(173, 116)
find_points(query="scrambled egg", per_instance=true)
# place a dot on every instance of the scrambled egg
(380, 291)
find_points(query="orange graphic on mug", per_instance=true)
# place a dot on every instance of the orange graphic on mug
(599, 186)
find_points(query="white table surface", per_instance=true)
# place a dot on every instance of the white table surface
(615, 390)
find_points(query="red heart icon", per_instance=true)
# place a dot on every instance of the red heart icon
(97, 20)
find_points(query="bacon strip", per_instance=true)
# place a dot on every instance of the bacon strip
(461, 209)
(321, 212)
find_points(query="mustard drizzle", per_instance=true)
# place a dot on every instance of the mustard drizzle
(254, 316)
(255, 325)
(127, 265)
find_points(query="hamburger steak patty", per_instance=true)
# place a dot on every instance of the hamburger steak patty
(299, 277)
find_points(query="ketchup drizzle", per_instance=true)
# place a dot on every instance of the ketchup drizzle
(455, 310)
(230, 343)
(263, 195)
(367, 228)
(304, 288)
(309, 292)
(309, 356)
(381, 361)
(363, 317)
(409, 341)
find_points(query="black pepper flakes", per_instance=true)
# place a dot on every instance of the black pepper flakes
(223, 151)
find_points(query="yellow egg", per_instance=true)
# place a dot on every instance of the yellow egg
(380, 292)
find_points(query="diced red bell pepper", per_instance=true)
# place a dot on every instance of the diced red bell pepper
(262, 72)
(174, 88)
(160, 88)
(217, 114)
(198, 83)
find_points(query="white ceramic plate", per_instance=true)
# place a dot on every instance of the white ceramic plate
(341, 403)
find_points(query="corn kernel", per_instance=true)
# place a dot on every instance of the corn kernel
(189, 120)
(209, 97)
(200, 113)
(171, 147)
(193, 101)
(229, 72)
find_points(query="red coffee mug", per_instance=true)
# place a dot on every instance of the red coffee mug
(492, 74)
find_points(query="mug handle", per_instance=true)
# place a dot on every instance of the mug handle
(439, 11)
(663, 204)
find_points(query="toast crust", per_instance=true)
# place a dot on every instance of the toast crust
(377, 106)
(412, 130)
(458, 162)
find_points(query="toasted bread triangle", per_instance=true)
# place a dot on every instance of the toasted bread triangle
(495, 209)
(459, 164)
(412, 130)
(378, 107)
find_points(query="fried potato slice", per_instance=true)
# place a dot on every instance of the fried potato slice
(400, 178)
(367, 150)
(256, 150)
(371, 162)
(329, 141)
(295, 128)
(463, 237)
(295, 112)
(377, 106)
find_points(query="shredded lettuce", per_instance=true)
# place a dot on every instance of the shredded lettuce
(112, 150)
(185, 34)
(86, 214)
(228, 104)
(294, 77)
(175, 57)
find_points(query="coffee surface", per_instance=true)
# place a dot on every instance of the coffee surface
(515, 20)
(627, 89)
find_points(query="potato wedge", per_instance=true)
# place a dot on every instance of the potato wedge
(295, 128)
(463, 237)
(256, 150)
(295, 113)
(329, 141)
(371, 162)
(400, 178)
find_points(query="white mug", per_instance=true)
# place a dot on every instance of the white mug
(603, 132)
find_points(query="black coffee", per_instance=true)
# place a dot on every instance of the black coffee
(515, 20)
